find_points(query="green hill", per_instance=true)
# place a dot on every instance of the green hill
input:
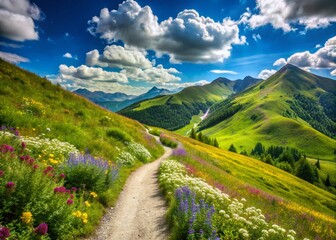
(291, 108)
(176, 111)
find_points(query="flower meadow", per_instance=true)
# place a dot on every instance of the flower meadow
(200, 211)
(48, 189)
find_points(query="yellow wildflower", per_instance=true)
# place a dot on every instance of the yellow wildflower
(51, 155)
(87, 204)
(27, 217)
(77, 214)
(93, 194)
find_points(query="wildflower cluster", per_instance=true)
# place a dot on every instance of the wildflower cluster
(139, 151)
(126, 159)
(231, 219)
(89, 173)
(33, 107)
(81, 215)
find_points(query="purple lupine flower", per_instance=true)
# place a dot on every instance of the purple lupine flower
(4, 233)
(179, 152)
(41, 229)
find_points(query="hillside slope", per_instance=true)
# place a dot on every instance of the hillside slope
(291, 108)
(175, 111)
(28, 101)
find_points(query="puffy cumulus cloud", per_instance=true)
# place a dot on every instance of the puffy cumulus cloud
(219, 71)
(333, 73)
(266, 73)
(280, 62)
(157, 74)
(282, 14)
(86, 73)
(12, 58)
(17, 19)
(324, 57)
(118, 56)
(188, 37)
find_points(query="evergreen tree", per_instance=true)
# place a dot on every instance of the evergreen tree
(327, 182)
(216, 143)
(305, 171)
(317, 164)
(232, 148)
(258, 149)
(193, 133)
(200, 137)
(268, 159)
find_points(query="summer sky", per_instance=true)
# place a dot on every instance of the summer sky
(130, 46)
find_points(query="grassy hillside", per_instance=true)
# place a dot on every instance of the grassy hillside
(284, 199)
(176, 111)
(284, 110)
(41, 111)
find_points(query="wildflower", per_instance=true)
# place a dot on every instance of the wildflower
(69, 201)
(27, 217)
(51, 155)
(87, 203)
(48, 129)
(77, 214)
(73, 189)
(62, 175)
(1, 173)
(93, 194)
(6, 148)
(23, 145)
(36, 166)
(48, 169)
(41, 229)
(4, 233)
(10, 185)
(72, 196)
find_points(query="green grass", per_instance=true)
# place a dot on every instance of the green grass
(271, 127)
(60, 114)
(284, 198)
(185, 131)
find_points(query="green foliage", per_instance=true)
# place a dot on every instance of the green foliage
(306, 171)
(317, 164)
(193, 133)
(327, 181)
(221, 112)
(232, 148)
(311, 111)
(155, 132)
(119, 135)
(168, 142)
(328, 102)
(89, 173)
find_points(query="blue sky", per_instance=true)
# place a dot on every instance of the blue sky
(130, 46)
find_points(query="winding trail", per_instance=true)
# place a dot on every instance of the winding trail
(140, 210)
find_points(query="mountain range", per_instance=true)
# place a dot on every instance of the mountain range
(117, 101)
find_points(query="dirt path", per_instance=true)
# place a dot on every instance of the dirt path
(140, 210)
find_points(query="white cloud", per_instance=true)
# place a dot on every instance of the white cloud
(283, 14)
(318, 46)
(189, 37)
(266, 73)
(152, 75)
(12, 58)
(256, 37)
(280, 62)
(173, 86)
(118, 56)
(85, 73)
(17, 20)
(323, 58)
(11, 45)
(333, 73)
(218, 71)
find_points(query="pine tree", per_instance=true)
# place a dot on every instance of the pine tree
(327, 182)
(232, 148)
(193, 133)
(200, 137)
(317, 164)
(305, 171)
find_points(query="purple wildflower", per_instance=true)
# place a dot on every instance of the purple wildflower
(70, 201)
(62, 175)
(23, 145)
(5, 148)
(179, 152)
(10, 185)
(4, 233)
(41, 229)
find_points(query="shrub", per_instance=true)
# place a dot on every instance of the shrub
(155, 132)
(168, 142)
(119, 135)
(89, 173)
